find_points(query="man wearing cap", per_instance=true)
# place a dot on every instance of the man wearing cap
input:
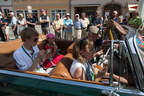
(77, 27)
(14, 24)
(94, 37)
(68, 23)
(57, 26)
(44, 20)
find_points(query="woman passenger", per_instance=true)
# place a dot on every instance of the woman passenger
(82, 69)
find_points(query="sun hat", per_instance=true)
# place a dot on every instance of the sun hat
(50, 35)
(93, 29)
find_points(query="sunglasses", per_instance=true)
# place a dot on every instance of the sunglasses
(35, 39)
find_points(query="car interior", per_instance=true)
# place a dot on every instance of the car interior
(62, 70)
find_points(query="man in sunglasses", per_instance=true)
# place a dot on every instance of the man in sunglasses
(28, 57)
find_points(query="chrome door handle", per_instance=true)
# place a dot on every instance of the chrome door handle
(109, 93)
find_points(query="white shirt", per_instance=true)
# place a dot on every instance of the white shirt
(13, 21)
(22, 22)
(75, 65)
(21, 26)
(23, 61)
(85, 22)
(57, 23)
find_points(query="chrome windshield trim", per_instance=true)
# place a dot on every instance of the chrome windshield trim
(137, 50)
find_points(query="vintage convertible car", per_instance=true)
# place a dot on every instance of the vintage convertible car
(126, 61)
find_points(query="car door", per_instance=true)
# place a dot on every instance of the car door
(125, 69)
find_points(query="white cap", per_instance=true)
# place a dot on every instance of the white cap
(115, 12)
(77, 15)
(67, 14)
(21, 14)
(12, 13)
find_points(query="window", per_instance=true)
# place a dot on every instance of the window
(19, 11)
(34, 13)
(53, 13)
(6, 11)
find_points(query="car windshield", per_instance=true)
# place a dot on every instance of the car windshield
(140, 46)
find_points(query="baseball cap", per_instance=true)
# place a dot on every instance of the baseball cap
(115, 12)
(42, 10)
(67, 14)
(76, 15)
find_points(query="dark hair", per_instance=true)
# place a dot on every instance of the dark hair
(27, 33)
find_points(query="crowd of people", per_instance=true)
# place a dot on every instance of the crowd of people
(64, 27)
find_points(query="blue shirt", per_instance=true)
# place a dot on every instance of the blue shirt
(68, 24)
(96, 21)
(13, 21)
(78, 25)
(4, 20)
(116, 19)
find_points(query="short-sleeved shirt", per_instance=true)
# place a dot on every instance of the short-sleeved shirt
(13, 21)
(4, 20)
(96, 21)
(31, 20)
(85, 22)
(78, 25)
(75, 65)
(23, 61)
(44, 17)
(87, 68)
(68, 24)
(57, 23)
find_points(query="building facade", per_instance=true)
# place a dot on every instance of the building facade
(104, 6)
(6, 6)
(51, 6)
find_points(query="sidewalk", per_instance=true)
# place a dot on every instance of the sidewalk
(37, 27)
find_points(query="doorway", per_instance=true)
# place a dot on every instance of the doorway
(90, 11)
(109, 8)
